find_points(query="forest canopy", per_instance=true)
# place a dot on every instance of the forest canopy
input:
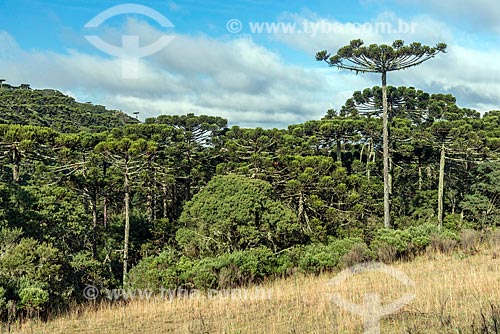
(92, 196)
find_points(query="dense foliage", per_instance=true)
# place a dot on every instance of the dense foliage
(53, 109)
(185, 201)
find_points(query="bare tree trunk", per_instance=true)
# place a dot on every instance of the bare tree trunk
(391, 175)
(302, 214)
(127, 224)
(339, 149)
(16, 159)
(91, 194)
(371, 158)
(149, 207)
(165, 203)
(93, 204)
(301, 207)
(419, 175)
(105, 211)
(150, 181)
(442, 162)
(154, 193)
(105, 199)
(387, 203)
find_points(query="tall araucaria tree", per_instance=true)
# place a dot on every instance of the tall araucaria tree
(381, 59)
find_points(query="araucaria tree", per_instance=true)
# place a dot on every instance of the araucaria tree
(381, 59)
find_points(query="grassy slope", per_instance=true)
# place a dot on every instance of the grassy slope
(451, 290)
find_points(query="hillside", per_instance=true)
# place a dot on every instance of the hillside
(455, 293)
(51, 108)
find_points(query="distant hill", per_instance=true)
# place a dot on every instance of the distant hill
(51, 108)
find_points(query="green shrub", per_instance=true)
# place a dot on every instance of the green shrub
(88, 270)
(173, 270)
(455, 222)
(420, 237)
(233, 213)
(442, 243)
(317, 258)
(3, 300)
(285, 263)
(397, 239)
(188, 240)
(184, 267)
(32, 299)
(359, 253)
(30, 272)
(453, 235)
(169, 271)
(203, 274)
(156, 272)
(235, 269)
(392, 244)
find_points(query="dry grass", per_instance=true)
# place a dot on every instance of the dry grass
(451, 291)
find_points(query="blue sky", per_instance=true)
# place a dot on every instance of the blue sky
(267, 78)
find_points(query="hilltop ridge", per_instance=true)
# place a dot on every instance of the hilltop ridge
(51, 108)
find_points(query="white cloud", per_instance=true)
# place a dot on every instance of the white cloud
(236, 79)
(472, 75)
(479, 13)
(319, 33)
(247, 83)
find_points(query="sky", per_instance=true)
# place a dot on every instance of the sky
(249, 61)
